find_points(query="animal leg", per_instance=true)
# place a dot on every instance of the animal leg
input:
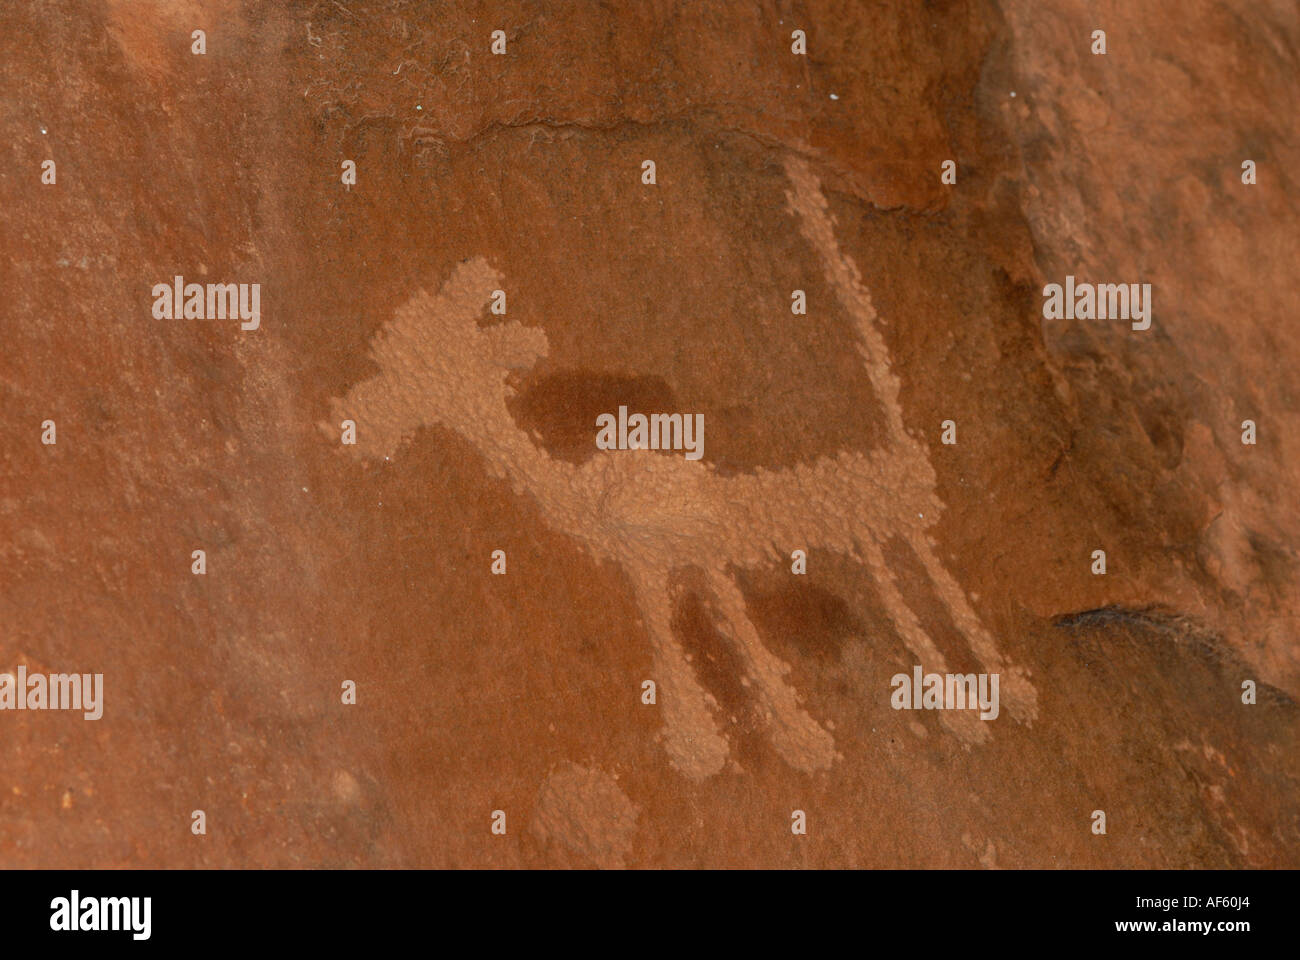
(801, 742)
(695, 747)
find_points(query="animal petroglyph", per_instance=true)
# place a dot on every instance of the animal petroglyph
(585, 811)
(654, 515)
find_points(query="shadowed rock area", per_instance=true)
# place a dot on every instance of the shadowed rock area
(523, 693)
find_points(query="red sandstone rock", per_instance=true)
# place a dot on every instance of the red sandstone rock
(523, 693)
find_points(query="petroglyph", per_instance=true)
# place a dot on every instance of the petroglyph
(585, 810)
(653, 514)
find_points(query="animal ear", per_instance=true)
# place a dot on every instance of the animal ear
(514, 346)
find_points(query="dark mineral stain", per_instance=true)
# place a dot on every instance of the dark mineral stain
(561, 408)
(715, 660)
(809, 618)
